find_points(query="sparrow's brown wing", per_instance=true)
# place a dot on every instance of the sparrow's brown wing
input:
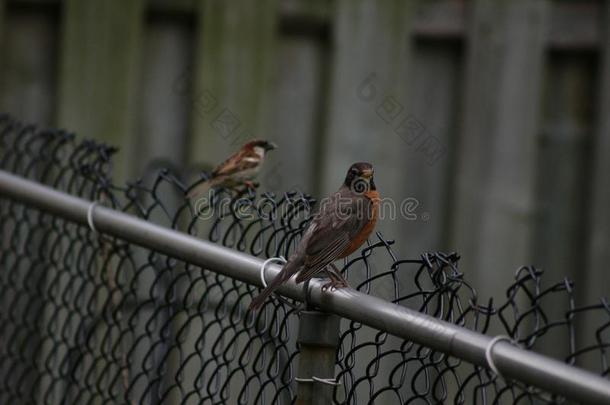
(335, 226)
(240, 161)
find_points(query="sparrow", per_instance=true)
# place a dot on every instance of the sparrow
(342, 224)
(238, 169)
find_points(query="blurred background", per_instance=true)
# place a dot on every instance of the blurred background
(487, 121)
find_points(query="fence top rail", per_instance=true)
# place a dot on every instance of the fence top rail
(511, 361)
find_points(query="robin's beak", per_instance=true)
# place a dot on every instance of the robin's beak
(270, 146)
(367, 174)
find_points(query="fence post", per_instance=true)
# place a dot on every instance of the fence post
(318, 340)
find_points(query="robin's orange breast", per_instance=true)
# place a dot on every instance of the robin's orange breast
(363, 235)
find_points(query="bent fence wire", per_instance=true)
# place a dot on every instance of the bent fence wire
(90, 319)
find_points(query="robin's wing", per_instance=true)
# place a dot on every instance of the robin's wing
(240, 161)
(333, 231)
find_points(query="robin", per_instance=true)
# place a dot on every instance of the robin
(237, 170)
(343, 223)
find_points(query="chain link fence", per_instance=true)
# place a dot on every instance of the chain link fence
(87, 318)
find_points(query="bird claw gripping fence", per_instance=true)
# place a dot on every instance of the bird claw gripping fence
(89, 318)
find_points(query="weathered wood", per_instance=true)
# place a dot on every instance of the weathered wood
(99, 67)
(230, 89)
(558, 244)
(28, 48)
(162, 138)
(599, 215)
(367, 119)
(22, 93)
(597, 277)
(296, 115)
(367, 115)
(494, 196)
(164, 109)
(433, 102)
(27, 71)
(2, 12)
(231, 76)
(2, 52)
(98, 72)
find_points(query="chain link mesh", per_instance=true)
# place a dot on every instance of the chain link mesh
(90, 319)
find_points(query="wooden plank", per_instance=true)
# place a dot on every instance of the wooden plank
(27, 73)
(162, 139)
(431, 105)
(433, 102)
(368, 94)
(28, 45)
(558, 243)
(493, 215)
(98, 81)
(2, 50)
(230, 84)
(2, 12)
(295, 125)
(366, 114)
(597, 278)
(231, 77)
(164, 109)
(98, 72)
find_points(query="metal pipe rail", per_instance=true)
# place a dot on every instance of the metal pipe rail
(512, 362)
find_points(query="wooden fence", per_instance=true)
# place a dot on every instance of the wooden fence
(489, 118)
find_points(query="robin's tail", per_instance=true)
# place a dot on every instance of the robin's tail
(289, 269)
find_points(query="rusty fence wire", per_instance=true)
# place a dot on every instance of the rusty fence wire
(86, 318)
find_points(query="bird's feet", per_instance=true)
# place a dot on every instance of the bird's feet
(336, 280)
(333, 285)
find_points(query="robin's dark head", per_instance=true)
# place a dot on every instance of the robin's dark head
(359, 177)
(261, 143)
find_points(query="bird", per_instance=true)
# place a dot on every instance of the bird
(237, 170)
(342, 224)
